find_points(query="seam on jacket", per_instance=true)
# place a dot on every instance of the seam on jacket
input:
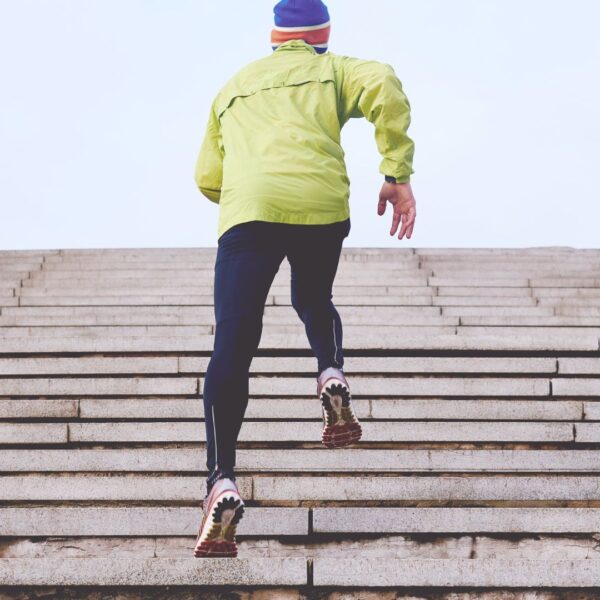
(232, 98)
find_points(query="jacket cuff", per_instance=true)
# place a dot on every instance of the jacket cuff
(403, 179)
(401, 171)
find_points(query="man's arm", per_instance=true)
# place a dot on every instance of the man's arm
(371, 89)
(209, 165)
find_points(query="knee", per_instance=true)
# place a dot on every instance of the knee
(302, 303)
(298, 304)
(238, 336)
(312, 304)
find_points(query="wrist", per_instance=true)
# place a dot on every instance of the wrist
(397, 180)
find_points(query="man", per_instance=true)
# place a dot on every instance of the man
(271, 158)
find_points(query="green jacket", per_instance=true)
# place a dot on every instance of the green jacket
(272, 149)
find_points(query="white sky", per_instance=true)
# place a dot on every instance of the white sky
(103, 105)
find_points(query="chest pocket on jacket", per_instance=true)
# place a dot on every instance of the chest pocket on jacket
(318, 70)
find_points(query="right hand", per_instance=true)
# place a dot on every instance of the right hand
(401, 197)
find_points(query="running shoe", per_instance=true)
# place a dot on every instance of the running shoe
(223, 508)
(340, 425)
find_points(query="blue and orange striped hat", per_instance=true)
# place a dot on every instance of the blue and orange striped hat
(306, 20)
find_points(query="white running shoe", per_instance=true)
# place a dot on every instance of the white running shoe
(223, 508)
(340, 425)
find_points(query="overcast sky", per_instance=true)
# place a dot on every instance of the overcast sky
(103, 106)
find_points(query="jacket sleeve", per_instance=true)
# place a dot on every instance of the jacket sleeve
(372, 90)
(209, 165)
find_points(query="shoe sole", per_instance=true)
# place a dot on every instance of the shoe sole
(346, 429)
(227, 511)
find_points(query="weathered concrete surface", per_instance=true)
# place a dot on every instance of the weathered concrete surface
(111, 347)
(33, 433)
(296, 460)
(587, 432)
(98, 387)
(576, 387)
(285, 488)
(327, 572)
(432, 519)
(88, 365)
(445, 488)
(167, 286)
(591, 411)
(360, 386)
(8, 301)
(184, 521)
(422, 546)
(284, 365)
(273, 341)
(110, 487)
(100, 331)
(513, 410)
(380, 365)
(302, 431)
(273, 323)
(456, 572)
(131, 300)
(187, 593)
(117, 571)
(298, 408)
(145, 312)
(142, 521)
(417, 386)
(193, 408)
(28, 409)
(580, 365)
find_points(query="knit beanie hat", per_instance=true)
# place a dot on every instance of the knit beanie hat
(306, 20)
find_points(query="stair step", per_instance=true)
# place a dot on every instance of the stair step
(290, 489)
(506, 431)
(460, 520)
(293, 461)
(259, 521)
(353, 342)
(141, 488)
(126, 571)
(374, 366)
(99, 386)
(338, 572)
(443, 489)
(302, 408)
(358, 571)
(142, 521)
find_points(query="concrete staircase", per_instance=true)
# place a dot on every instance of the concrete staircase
(475, 373)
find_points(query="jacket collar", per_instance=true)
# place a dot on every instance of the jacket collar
(295, 45)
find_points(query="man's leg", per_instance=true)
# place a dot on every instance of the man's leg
(314, 256)
(313, 252)
(248, 258)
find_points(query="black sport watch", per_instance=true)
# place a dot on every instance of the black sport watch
(390, 179)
